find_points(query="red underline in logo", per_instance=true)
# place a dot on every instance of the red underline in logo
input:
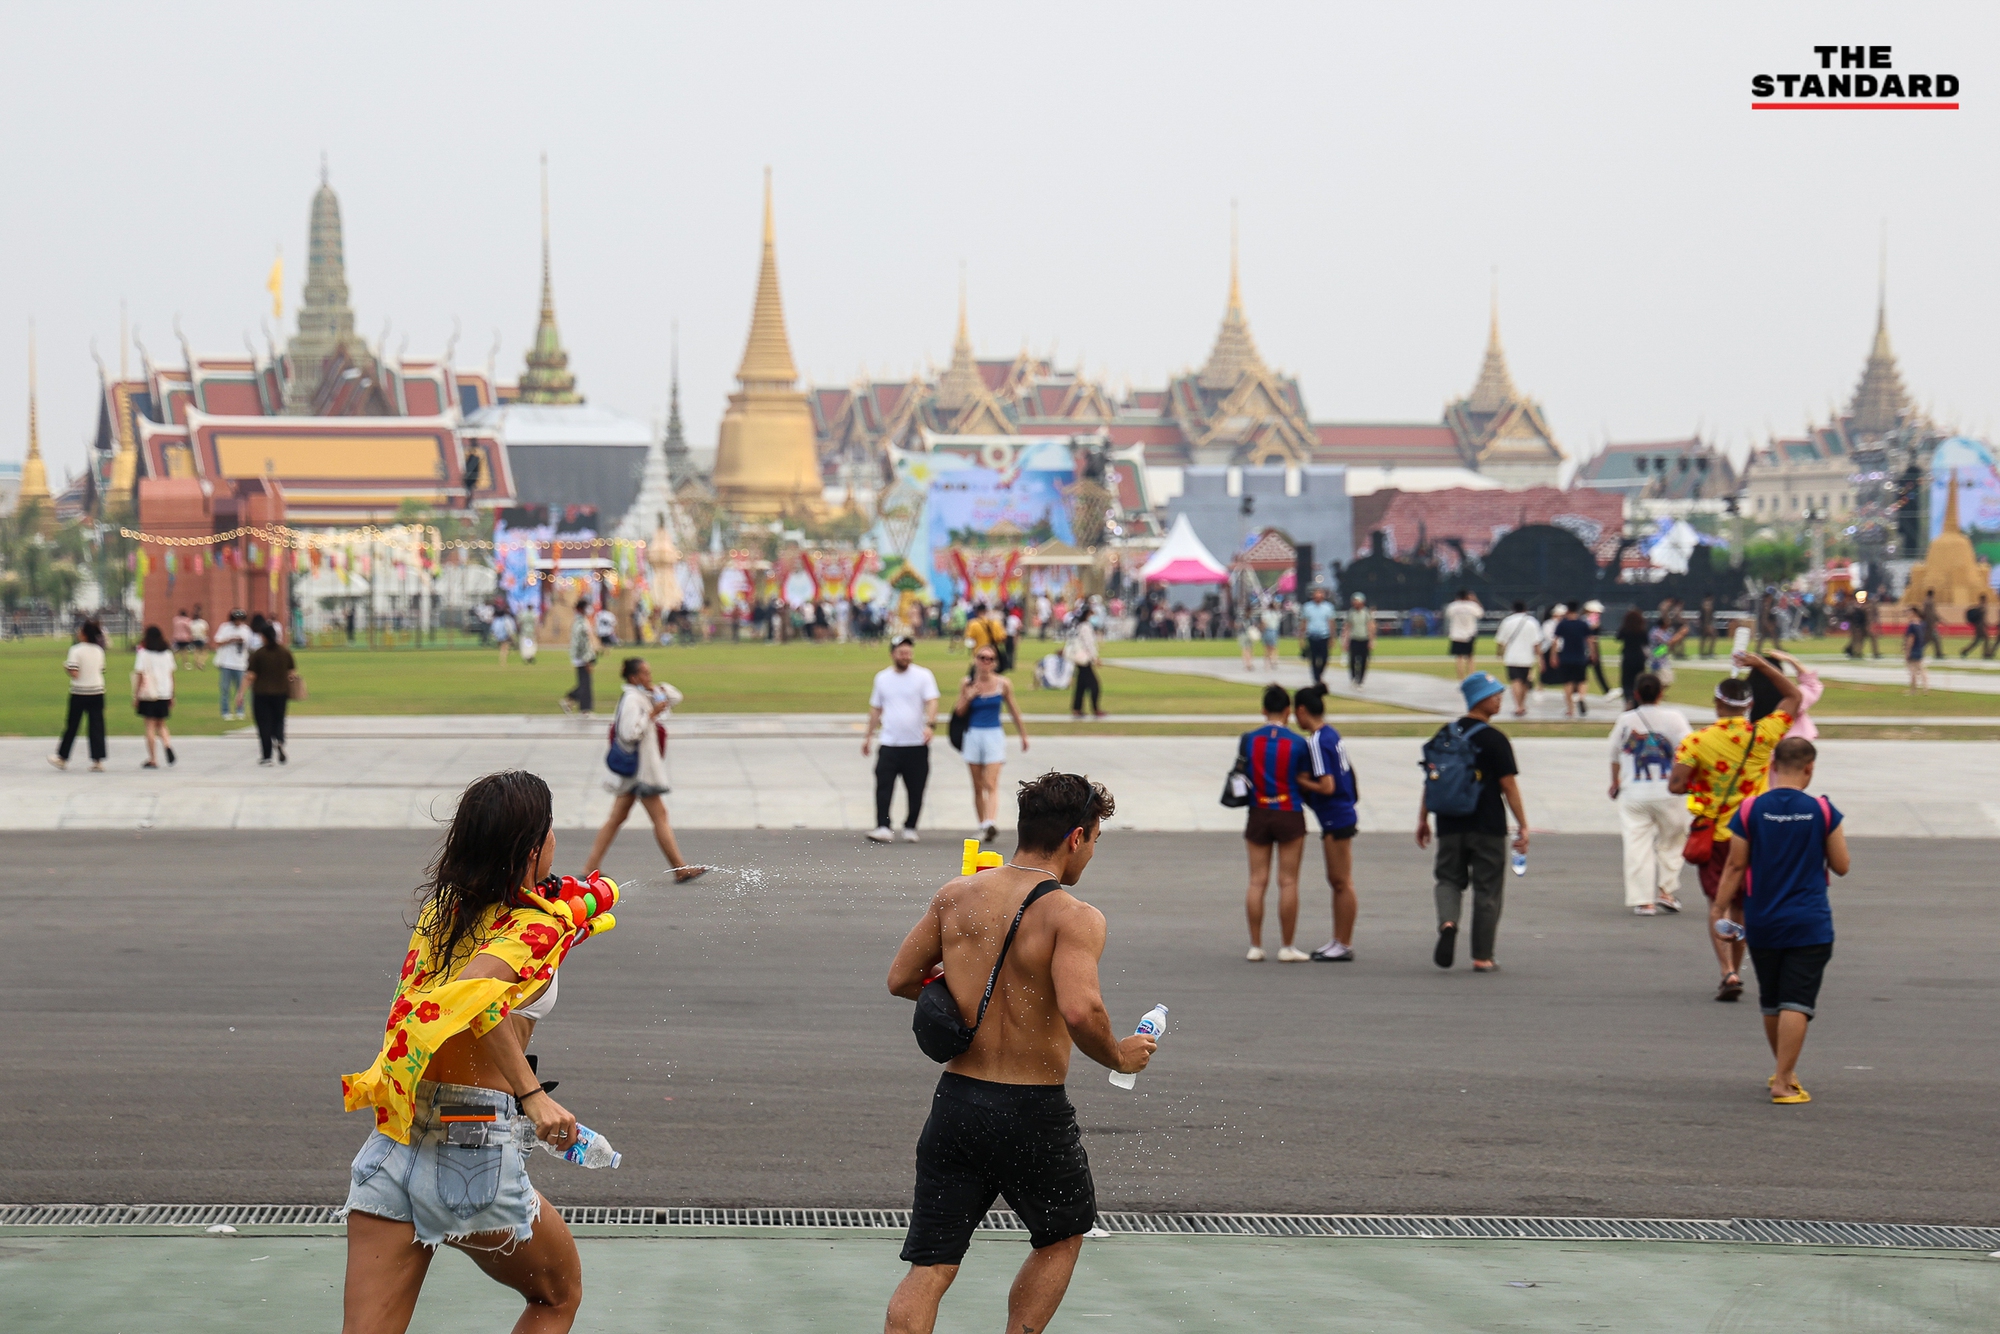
(1854, 106)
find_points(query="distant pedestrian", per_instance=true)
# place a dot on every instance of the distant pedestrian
(153, 693)
(1575, 647)
(198, 638)
(1472, 844)
(1632, 653)
(1461, 627)
(1316, 624)
(1651, 818)
(1705, 624)
(232, 658)
(1338, 821)
(1360, 638)
(1782, 846)
(270, 679)
(980, 697)
(1517, 641)
(1915, 635)
(1975, 617)
(1593, 616)
(638, 723)
(1715, 768)
(605, 623)
(583, 658)
(1278, 764)
(1270, 619)
(350, 622)
(183, 634)
(1933, 636)
(85, 667)
(903, 709)
(1551, 672)
(1080, 650)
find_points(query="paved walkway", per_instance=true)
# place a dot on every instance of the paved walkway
(840, 1282)
(770, 773)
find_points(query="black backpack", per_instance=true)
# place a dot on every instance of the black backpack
(1451, 769)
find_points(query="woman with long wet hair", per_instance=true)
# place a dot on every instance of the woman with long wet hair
(445, 1163)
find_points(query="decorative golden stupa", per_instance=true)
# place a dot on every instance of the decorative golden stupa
(765, 459)
(1950, 569)
(35, 472)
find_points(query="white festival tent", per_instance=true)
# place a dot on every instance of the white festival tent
(1182, 559)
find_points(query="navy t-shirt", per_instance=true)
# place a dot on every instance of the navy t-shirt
(1574, 639)
(1785, 904)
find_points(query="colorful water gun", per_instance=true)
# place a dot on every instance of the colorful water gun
(975, 860)
(587, 899)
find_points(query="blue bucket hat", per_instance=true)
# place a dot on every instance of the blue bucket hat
(1478, 686)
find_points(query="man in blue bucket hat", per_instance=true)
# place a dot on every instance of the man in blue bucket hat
(1469, 785)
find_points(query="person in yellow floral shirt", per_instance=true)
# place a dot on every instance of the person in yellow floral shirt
(452, 1080)
(1716, 768)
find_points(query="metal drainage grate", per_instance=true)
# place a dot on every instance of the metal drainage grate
(1412, 1227)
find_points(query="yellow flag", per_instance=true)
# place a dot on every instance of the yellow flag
(275, 285)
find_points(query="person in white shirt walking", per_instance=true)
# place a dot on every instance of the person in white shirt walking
(198, 638)
(1519, 641)
(903, 709)
(1360, 639)
(638, 726)
(1653, 820)
(85, 666)
(153, 693)
(1461, 626)
(232, 659)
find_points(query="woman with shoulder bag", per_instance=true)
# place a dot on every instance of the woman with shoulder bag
(638, 763)
(153, 692)
(270, 679)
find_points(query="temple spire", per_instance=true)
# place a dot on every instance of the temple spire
(676, 447)
(1235, 351)
(548, 378)
(326, 321)
(767, 355)
(1880, 402)
(1494, 389)
(34, 472)
(960, 384)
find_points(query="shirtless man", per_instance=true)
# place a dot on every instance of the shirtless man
(1000, 1122)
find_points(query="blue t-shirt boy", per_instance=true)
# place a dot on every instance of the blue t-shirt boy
(1784, 896)
(1317, 618)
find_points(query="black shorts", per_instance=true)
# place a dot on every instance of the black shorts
(1265, 827)
(155, 708)
(1521, 674)
(985, 1140)
(1789, 979)
(1462, 648)
(1572, 673)
(1341, 834)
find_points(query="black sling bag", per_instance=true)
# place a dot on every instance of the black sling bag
(940, 1031)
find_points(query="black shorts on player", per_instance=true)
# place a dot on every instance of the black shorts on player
(1789, 979)
(984, 1140)
(1462, 648)
(1521, 674)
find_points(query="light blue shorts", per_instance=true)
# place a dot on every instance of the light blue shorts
(449, 1191)
(985, 745)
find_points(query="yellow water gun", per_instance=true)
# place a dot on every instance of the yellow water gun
(975, 860)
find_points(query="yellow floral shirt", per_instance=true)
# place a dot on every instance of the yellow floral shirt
(433, 1004)
(1713, 756)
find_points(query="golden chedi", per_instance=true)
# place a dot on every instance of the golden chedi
(765, 459)
(1950, 569)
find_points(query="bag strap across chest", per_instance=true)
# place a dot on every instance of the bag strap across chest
(993, 979)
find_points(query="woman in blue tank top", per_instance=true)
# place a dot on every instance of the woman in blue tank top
(985, 746)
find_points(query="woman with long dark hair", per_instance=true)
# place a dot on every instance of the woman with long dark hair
(445, 1161)
(153, 692)
(1631, 654)
(270, 677)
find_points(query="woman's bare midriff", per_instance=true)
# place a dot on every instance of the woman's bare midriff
(461, 1060)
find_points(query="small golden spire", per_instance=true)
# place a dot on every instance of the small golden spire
(767, 355)
(34, 472)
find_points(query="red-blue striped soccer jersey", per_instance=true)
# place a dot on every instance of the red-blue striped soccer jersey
(1278, 758)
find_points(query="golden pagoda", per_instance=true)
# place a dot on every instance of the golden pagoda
(34, 472)
(548, 378)
(765, 459)
(1951, 568)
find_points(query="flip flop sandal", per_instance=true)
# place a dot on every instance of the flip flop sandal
(1731, 988)
(1791, 1099)
(1668, 904)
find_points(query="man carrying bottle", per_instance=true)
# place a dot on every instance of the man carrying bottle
(1000, 1123)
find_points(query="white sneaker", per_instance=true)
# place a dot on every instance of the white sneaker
(1256, 954)
(59, 762)
(1286, 954)
(1333, 952)
(910, 835)
(880, 834)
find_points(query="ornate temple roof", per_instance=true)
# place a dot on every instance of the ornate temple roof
(1880, 402)
(548, 378)
(767, 354)
(1235, 352)
(326, 321)
(1494, 389)
(961, 385)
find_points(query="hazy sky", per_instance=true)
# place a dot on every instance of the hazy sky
(1666, 256)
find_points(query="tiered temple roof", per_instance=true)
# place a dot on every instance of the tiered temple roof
(548, 378)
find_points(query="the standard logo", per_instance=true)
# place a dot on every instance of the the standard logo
(1854, 78)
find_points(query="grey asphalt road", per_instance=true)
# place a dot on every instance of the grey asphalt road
(179, 1008)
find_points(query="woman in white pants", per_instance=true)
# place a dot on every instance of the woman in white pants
(1653, 820)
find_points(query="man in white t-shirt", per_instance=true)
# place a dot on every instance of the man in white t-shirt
(198, 638)
(1653, 820)
(903, 708)
(1519, 642)
(232, 659)
(1461, 626)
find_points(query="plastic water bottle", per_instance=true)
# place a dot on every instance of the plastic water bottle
(1519, 861)
(589, 1149)
(1740, 643)
(1728, 929)
(1152, 1025)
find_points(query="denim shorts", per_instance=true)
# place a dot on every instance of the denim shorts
(985, 745)
(448, 1191)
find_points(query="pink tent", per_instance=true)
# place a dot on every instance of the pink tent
(1182, 559)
